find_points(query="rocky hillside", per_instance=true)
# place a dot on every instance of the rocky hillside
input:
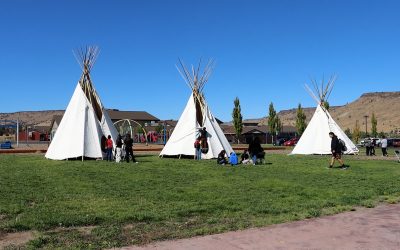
(385, 105)
(38, 118)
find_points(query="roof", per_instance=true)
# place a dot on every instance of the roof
(229, 129)
(41, 129)
(255, 130)
(171, 123)
(133, 115)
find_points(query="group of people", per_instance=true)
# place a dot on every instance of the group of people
(370, 145)
(252, 155)
(123, 148)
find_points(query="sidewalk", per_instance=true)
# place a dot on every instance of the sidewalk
(374, 228)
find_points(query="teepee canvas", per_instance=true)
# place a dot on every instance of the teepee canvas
(315, 139)
(85, 120)
(196, 115)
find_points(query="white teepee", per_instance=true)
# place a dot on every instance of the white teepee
(315, 139)
(85, 120)
(196, 115)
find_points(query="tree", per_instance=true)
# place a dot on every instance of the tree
(237, 118)
(356, 133)
(272, 120)
(374, 123)
(325, 104)
(278, 125)
(348, 133)
(300, 120)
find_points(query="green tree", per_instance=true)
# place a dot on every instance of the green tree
(325, 104)
(374, 123)
(356, 133)
(272, 120)
(237, 118)
(278, 125)
(300, 120)
(348, 133)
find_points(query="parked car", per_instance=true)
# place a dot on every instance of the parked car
(280, 141)
(291, 142)
(396, 143)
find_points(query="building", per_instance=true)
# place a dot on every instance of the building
(250, 132)
(140, 119)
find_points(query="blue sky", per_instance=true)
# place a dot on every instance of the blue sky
(265, 51)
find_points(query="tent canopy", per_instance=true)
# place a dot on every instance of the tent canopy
(85, 120)
(196, 115)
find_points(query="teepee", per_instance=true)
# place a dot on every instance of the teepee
(196, 115)
(315, 139)
(85, 120)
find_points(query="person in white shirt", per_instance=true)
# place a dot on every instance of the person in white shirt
(384, 145)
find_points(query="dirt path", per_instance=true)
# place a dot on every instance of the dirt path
(375, 228)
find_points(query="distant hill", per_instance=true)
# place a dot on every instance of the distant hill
(385, 105)
(38, 118)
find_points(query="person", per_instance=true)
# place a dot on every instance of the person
(109, 148)
(372, 148)
(368, 146)
(336, 149)
(255, 150)
(221, 159)
(197, 148)
(233, 159)
(245, 157)
(384, 144)
(203, 140)
(128, 148)
(118, 148)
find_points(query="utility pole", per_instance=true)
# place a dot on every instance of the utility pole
(366, 124)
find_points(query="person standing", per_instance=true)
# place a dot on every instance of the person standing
(384, 144)
(336, 149)
(367, 144)
(197, 148)
(129, 148)
(109, 148)
(204, 140)
(118, 148)
(372, 147)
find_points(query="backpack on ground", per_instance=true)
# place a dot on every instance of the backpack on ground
(342, 145)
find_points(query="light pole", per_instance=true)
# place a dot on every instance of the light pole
(366, 124)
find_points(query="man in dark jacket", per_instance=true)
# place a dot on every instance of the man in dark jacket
(128, 148)
(256, 151)
(336, 149)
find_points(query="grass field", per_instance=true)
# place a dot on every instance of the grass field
(95, 204)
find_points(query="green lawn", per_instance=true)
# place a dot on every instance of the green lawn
(170, 198)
